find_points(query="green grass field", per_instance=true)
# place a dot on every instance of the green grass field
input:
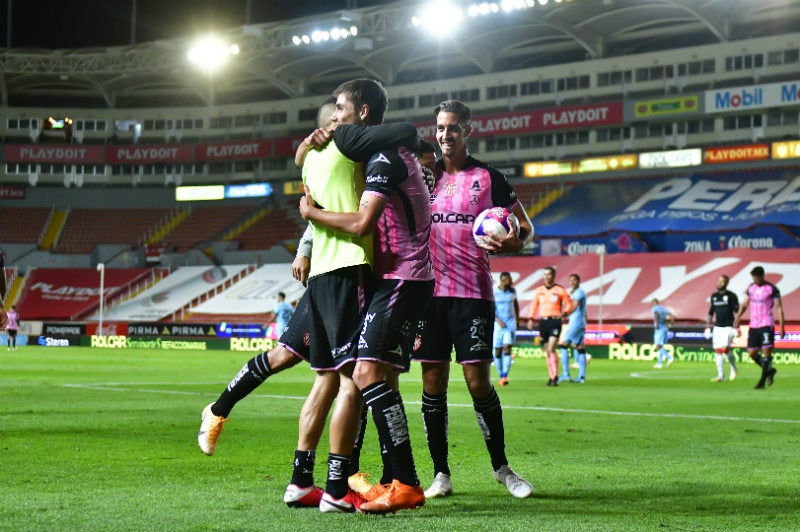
(105, 440)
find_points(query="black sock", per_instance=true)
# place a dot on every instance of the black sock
(434, 416)
(766, 366)
(390, 420)
(490, 419)
(338, 466)
(248, 379)
(303, 472)
(355, 458)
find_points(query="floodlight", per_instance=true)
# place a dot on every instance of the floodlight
(209, 53)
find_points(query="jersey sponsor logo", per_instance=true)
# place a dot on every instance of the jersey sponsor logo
(475, 186)
(379, 179)
(452, 218)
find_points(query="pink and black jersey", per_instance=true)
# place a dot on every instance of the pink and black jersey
(13, 320)
(403, 233)
(762, 298)
(461, 267)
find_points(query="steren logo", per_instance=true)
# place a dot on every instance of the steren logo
(452, 218)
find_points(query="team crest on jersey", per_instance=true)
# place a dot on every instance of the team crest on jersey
(473, 200)
(381, 158)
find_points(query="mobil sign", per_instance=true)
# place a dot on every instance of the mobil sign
(753, 97)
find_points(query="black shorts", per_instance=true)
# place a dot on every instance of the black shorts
(391, 321)
(296, 336)
(337, 302)
(466, 324)
(760, 337)
(549, 328)
(12, 333)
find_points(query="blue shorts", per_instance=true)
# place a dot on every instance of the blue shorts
(504, 336)
(574, 336)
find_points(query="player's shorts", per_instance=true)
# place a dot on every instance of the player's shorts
(503, 336)
(549, 328)
(574, 336)
(660, 336)
(337, 303)
(391, 321)
(722, 337)
(760, 337)
(463, 323)
(11, 333)
(296, 336)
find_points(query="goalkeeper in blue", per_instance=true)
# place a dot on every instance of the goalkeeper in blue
(576, 330)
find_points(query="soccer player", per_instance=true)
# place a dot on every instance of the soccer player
(339, 283)
(3, 288)
(724, 305)
(462, 310)
(553, 303)
(395, 208)
(292, 348)
(662, 321)
(506, 311)
(761, 297)
(12, 327)
(283, 311)
(576, 330)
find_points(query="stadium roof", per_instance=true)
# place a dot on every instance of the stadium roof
(270, 66)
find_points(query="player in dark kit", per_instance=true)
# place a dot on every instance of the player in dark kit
(725, 305)
(761, 297)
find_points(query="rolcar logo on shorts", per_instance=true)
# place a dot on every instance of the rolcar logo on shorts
(452, 218)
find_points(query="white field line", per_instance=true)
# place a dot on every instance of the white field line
(127, 387)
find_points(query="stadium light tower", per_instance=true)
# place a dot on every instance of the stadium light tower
(441, 18)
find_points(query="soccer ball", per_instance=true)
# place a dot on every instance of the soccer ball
(496, 222)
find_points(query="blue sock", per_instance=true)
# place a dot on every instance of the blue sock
(506, 363)
(498, 364)
(564, 362)
(663, 353)
(582, 364)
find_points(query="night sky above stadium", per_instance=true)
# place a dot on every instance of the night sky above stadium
(89, 23)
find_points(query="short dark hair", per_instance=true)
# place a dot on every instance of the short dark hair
(281, 294)
(758, 271)
(456, 107)
(550, 268)
(423, 146)
(367, 92)
(576, 276)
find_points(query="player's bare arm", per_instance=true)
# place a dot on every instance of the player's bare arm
(317, 139)
(359, 223)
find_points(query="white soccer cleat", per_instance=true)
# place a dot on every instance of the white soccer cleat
(516, 485)
(210, 429)
(440, 487)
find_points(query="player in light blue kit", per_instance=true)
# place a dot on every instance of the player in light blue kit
(283, 311)
(575, 332)
(662, 321)
(506, 312)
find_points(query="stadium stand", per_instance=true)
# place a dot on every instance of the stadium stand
(203, 224)
(23, 224)
(85, 228)
(273, 228)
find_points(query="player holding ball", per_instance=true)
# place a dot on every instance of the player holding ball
(461, 314)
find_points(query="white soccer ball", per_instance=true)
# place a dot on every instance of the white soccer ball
(495, 222)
